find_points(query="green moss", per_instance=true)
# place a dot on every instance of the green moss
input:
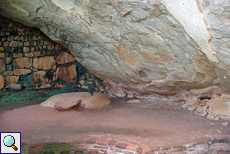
(52, 148)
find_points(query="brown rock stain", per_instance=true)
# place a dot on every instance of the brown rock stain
(160, 56)
(208, 29)
(126, 56)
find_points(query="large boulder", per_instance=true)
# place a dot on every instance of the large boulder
(161, 46)
(67, 101)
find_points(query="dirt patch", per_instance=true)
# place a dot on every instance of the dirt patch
(138, 123)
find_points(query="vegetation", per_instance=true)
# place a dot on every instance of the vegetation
(52, 148)
(33, 95)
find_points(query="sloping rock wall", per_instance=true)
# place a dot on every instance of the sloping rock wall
(149, 46)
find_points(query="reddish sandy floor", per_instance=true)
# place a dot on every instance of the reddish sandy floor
(138, 124)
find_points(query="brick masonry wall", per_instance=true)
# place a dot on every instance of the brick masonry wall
(30, 58)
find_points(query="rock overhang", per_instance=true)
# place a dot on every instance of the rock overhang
(148, 46)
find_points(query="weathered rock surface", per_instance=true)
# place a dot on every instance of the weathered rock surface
(88, 101)
(150, 46)
(64, 57)
(40, 79)
(14, 87)
(45, 63)
(97, 101)
(67, 73)
(12, 79)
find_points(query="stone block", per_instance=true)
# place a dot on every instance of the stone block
(65, 57)
(13, 87)
(27, 43)
(51, 47)
(29, 55)
(2, 55)
(46, 42)
(22, 71)
(2, 82)
(2, 65)
(12, 79)
(13, 44)
(58, 47)
(32, 49)
(1, 49)
(40, 80)
(37, 54)
(45, 63)
(7, 73)
(35, 38)
(67, 73)
(98, 100)
(8, 60)
(23, 62)
(26, 49)
(17, 55)
(6, 43)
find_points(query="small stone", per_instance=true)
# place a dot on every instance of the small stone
(224, 123)
(27, 43)
(1, 82)
(12, 79)
(26, 49)
(45, 63)
(37, 54)
(13, 44)
(85, 87)
(134, 101)
(92, 140)
(35, 38)
(8, 60)
(40, 80)
(2, 65)
(65, 57)
(46, 42)
(184, 106)
(1, 49)
(30, 55)
(32, 49)
(82, 82)
(67, 73)
(121, 145)
(51, 47)
(58, 47)
(23, 62)
(98, 100)
(14, 87)
(119, 92)
(2, 55)
(5, 44)
(22, 71)
(213, 117)
(7, 73)
(18, 55)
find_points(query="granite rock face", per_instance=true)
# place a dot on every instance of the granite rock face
(148, 46)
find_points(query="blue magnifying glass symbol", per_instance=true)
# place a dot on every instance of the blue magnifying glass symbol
(9, 141)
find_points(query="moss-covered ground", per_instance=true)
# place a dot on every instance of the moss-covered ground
(33, 95)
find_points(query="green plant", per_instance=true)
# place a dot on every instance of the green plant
(25, 150)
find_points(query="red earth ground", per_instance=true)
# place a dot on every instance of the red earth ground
(146, 123)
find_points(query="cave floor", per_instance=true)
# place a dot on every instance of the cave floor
(134, 126)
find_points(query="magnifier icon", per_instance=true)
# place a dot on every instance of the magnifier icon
(9, 141)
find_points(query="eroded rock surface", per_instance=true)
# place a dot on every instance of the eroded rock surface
(149, 46)
(69, 100)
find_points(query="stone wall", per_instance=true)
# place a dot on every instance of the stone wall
(30, 58)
